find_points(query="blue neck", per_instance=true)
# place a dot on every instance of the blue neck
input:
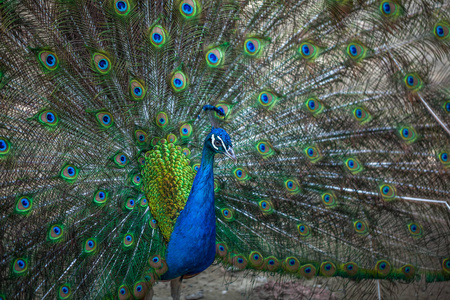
(191, 248)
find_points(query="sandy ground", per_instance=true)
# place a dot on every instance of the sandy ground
(217, 284)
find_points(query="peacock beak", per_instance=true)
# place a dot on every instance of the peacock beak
(230, 154)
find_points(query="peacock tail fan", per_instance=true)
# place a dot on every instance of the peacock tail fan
(338, 112)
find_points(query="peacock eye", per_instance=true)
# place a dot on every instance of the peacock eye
(122, 7)
(158, 36)
(102, 63)
(413, 82)
(48, 117)
(308, 51)
(189, 8)
(356, 51)
(214, 57)
(441, 31)
(69, 172)
(179, 81)
(64, 291)
(49, 60)
(314, 106)
(390, 9)
(137, 90)
(408, 134)
(105, 119)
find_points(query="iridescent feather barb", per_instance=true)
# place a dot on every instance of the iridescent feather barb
(336, 111)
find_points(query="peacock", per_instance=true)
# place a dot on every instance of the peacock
(146, 140)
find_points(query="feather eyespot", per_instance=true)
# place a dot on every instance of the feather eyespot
(186, 152)
(55, 232)
(408, 134)
(329, 199)
(196, 167)
(153, 223)
(408, 271)
(267, 99)
(64, 291)
(327, 269)
(101, 63)
(253, 47)
(308, 271)
(447, 107)
(308, 51)
(189, 8)
(266, 206)
(353, 165)
(120, 159)
(105, 119)
(141, 137)
(49, 118)
(162, 120)
(356, 51)
(241, 174)
(265, 149)
(387, 192)
(271, 263)
(24, 204)
(100, 197)
(227, 214)
(69, 172)
(444, 158)
(383, 267)
(446, 265)
(362, 115)
(221, 249)
(155, 262)
(130, 204)
(128, 240)
(360, 227)
(136, 179)
(5, 146)
(313, 154)
(143, 202)
(49, 60)
(225, 109)
(123, 293)
(179, 81)
(186, 130)
(256, 259)
(390, 9)
(172, 138)
(314, 106)
(20, 266)
(350, 268)
(139, 290)
(415, 230)
(292, 186)
(304, 230)
(413, 82)
(239, 261)
(291, 264)
(141, 161)
(90, 245)
(215, 58)
(137, 90)
(441, 30)
(122, 7)
(158, 36)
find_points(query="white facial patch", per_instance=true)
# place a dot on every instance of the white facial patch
(213, 138)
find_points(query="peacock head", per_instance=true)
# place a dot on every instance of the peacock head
(218, 141)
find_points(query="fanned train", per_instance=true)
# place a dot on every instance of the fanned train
(144, 140)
